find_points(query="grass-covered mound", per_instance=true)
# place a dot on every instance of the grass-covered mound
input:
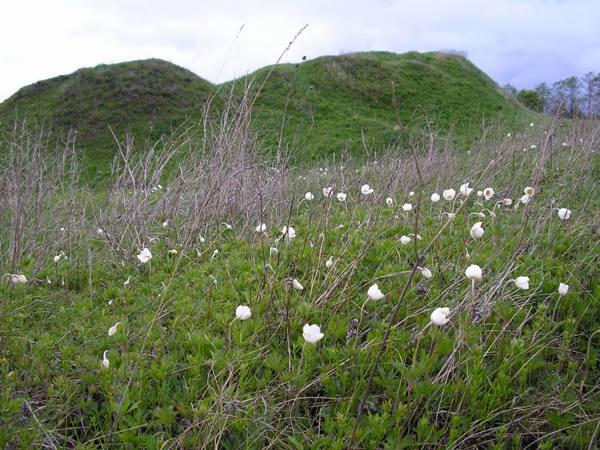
(328, 105)
(149, 98)
(100, 347)
(343, 103)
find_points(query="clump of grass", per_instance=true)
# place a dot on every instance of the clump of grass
(41, 210)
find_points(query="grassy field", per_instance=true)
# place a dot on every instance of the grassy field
(327, 106)
(101, 346)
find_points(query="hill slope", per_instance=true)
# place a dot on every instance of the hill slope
(148, 97)
(327, 104)
(336, 102)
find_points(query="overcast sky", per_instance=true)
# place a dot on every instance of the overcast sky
(523, 42)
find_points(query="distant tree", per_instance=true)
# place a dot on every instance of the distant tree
(559, 98)
(531, 99)
(567, 94)
(571, 97)
(591, 93)
(573, 85)
(510, 89)
(545, 93)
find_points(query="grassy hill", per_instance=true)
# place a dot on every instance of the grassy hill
(147, 97)
(325, 105)
(344, 102)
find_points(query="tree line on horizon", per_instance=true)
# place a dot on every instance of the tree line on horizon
(571, 97)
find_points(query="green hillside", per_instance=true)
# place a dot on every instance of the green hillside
(147, 97)
(344, 102)
(321, 106)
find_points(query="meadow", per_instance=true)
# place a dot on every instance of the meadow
(211, 295)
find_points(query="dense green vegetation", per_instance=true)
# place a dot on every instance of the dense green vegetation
(512, 368)
(531, 99)
(329, 105)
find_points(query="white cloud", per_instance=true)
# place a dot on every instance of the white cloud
(522, 42)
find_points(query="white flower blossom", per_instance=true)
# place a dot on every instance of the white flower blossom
(449, 194)
(465, 189)
(488, 193)
(564, 214)
(288, 232)
(145, 255)
(477, 231)
(312, 333)
(112, 330)
(243, 312)
(366, 189)
(105, 361)
(439, 316)
(563, 289)
(474, 272)
(15, 278)
(522, 282)
(374, 293)
(425, 272)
